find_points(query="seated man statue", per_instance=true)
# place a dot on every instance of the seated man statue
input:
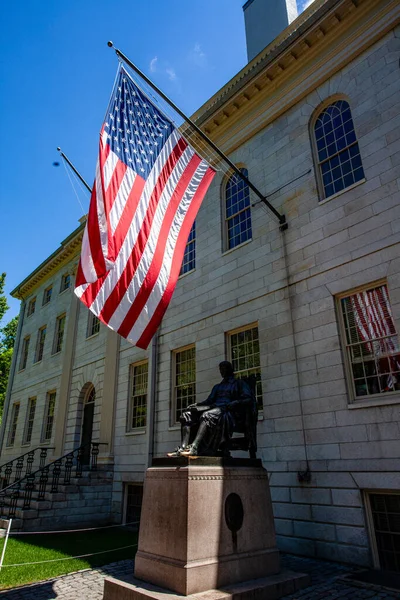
(208, 426)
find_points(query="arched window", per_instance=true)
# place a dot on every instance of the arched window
(237, 211)
(337, 152)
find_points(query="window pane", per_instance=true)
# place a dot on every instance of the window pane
(189, 258)
(337, 148)
(185, 380)
(138, 400)
(372, 342)
(237, 211)
(245, 358)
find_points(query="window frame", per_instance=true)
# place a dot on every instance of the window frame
(187, 251)
(47, 295)
(64, 278)
(59, 335)
(31, 307)
(90, 325)
(51, 397)
(229, 347)
(173, 420)
(370, 521)
(28, 427)
(23, 359)
(12, 430)
(322, 197)
(38, 344)
(129, 415)
(126, 509)
(354, 400)
(225, 219)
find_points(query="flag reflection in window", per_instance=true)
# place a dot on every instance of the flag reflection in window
(372, 344)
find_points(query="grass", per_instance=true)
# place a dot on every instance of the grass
(35, 548)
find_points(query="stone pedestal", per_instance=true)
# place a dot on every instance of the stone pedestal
(206, 524)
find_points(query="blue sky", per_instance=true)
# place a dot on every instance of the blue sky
(57, 73)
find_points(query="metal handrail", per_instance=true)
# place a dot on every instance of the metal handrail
(18, 462)
(23, 488)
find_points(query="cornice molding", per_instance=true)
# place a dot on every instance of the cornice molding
(69, 248)
(314, 47)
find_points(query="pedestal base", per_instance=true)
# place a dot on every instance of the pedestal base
(205, 523)
(207, 533)
(273, 587)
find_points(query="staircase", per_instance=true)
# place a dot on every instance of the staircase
(61, 494)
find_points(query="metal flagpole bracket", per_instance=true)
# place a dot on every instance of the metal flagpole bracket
(75, 170)
(281, 218)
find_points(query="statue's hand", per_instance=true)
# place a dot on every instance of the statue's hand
(191, 406)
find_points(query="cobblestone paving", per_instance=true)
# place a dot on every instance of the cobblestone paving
(326, 583)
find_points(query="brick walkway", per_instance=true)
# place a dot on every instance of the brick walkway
(326, 583)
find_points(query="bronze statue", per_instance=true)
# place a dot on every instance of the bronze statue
(206, 427)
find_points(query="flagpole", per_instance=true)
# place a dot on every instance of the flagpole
(281, 218)
(75, 170)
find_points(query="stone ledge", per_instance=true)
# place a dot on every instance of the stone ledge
(206, 461)
(273, 588)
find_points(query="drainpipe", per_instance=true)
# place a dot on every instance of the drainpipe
(151, 408)
(12, 373)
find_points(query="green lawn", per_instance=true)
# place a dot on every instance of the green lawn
(34, 548)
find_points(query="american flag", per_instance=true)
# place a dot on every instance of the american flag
(149, 186)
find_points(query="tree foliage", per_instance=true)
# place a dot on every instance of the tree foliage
(7, 340)
(3, 301)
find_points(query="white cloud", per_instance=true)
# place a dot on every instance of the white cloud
(153, 64)
(197, 56)
(305, 4)
(171, 74)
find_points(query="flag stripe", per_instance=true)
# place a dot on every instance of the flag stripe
(149, 281)
(148, 188)
(152, 230)
(156, 317)
(96, 295)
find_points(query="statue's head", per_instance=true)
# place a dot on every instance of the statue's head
(225, 368)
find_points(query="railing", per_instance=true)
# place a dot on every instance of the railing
(47, 478)
(12, 470)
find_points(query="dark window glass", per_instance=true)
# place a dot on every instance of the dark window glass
(337, 148)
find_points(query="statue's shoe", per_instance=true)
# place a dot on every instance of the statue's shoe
(177, 452)
(191, 451)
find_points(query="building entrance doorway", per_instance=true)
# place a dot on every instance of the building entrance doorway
(87, 425)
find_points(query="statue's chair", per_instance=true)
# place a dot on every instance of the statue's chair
(246, 417)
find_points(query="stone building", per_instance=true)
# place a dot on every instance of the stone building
(313, 311)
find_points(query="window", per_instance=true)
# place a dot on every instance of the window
(93, 325)
(49, 417)
(40, 344)
(237, 211)
(385, 512)
(337, 152)
(24, 352)
(134, 499)
(189, 258)
(30, 417)
(184, 380)
(59, 334)
(31, 306)
(371, 342)
(65, 282)
(13, 424)
(245, 357)
(137, 405)
(47, 295)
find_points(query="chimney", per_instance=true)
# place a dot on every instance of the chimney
(264, 21)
